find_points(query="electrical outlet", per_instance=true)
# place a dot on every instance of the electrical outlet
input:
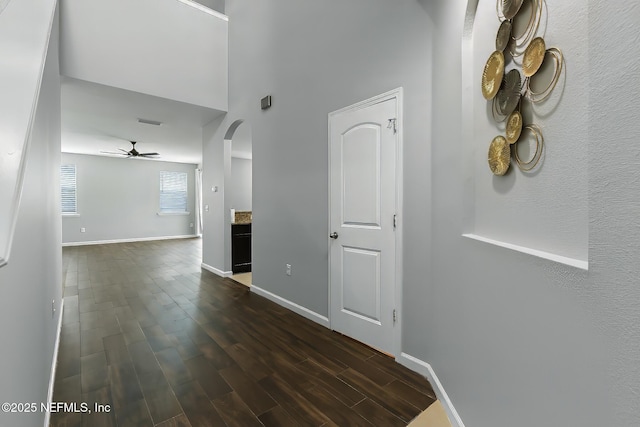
(53, 309)
(83, 230)
(288, 269)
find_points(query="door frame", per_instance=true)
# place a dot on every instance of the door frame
(398, 95)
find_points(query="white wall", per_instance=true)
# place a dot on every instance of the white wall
(119, 198)
(158, 47)
(33, 277)
(515, 339)
(240, 185)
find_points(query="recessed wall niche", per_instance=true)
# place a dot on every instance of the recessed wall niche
(543, 211)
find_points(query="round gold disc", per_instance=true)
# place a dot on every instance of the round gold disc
(492, 75)
(510, 8)
(533, 56)
(504, 35)
(514, 127)
(499, 155)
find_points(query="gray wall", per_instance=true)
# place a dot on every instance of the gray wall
(507, 333)
(516, 340)
(33, 277)
(216, 230)
(119, 199)
(213, 4)
(240, 185)
(283, 48)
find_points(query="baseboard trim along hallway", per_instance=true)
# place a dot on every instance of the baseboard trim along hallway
(54, 364)
(137, 239)
(216, 271)
(302, 311)
(425, 369)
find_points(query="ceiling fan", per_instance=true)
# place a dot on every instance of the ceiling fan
(131, 153)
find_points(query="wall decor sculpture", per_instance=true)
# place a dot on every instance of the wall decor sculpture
(507, 90)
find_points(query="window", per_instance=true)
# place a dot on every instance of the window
(68, 192)
(173, 192)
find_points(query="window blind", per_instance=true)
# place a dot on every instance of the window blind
(68, 191)
(173, 192)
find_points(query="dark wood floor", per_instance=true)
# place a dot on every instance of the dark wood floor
(163, 343)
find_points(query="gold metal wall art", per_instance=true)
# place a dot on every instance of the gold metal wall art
(510, 7)
(504, 35)
(555, 56)
(533, 56)
(508, 96)
(492, 75)
(522, 38)
(530, 164)
(507, 90)
(499, 155)
(514, 127)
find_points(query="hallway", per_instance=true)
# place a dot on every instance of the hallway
(161, 342)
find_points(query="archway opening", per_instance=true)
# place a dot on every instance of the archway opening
(239, 197)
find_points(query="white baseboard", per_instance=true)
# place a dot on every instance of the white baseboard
(302, 311)
(425, 369)
(54, 364)
(216, 271)
(136, 239)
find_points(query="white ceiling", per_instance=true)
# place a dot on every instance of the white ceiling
(99, 118)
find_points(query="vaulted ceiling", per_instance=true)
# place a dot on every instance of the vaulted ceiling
(157, 60)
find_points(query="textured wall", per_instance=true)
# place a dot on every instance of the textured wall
(545, 209)
(120, 199)
(509, 334)
(614, 199)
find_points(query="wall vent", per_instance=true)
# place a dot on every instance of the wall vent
(149, 122)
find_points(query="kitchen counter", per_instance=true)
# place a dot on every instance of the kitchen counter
(242, 217)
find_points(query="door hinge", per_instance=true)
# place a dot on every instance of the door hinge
(395, 221)
(395, 316)
(392, 125)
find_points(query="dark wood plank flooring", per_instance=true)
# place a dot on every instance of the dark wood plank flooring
(163, 343)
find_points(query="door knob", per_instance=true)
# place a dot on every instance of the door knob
(333, 235)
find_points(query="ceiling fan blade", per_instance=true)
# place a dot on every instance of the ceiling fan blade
(149, 154)
(123, 150)
(114, 152)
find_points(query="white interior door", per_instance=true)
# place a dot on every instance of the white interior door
(362, 250)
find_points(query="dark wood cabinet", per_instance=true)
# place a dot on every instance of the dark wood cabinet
(240, 248)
